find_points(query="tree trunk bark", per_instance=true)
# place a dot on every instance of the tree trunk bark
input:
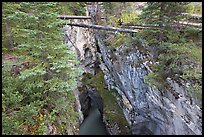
(11, 37)
(161, 15)
(75, 17)
(103, 27)
(161, 19)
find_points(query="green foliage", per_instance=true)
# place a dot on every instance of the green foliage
(186, 50)
(196, 92)
(150, 36)
(118, 13)
(162, 13)
(155, 79)
(195, 8)
(11, 125)
(170, 64)
(124, 18)
(194, 76)
(193, 34)
(8, 8)
(49, 82)
(10, 103)
(177, 48)
(73, 8)
(120, 38)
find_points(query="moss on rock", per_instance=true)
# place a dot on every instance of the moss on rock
(113, 113)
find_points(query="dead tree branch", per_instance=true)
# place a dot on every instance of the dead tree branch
(103, 27)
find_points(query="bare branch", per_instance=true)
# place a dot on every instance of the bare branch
(75, 17)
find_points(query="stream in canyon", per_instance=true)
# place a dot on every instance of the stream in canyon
(93, 124)
(146, 109)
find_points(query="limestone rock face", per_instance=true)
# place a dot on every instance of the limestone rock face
(148, 110)
(82, 41)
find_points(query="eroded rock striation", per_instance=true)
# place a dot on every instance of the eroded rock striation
(147, 109)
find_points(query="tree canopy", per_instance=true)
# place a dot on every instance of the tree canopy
(47, 73)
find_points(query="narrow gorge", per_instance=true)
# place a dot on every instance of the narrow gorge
(147, 110)
(102, 68)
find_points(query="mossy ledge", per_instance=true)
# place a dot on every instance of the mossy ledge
(113, 113)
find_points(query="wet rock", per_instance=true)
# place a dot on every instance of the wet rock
(113, 129)
(78, 106)
(89, 98)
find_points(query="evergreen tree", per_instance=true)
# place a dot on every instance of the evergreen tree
(72, 8)
(166, 39)
(42, 93)
(165, 15)
(8, 8)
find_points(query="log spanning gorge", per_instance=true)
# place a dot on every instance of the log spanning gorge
(147, 110)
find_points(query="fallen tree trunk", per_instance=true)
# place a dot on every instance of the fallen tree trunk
(102, 27)
(141, 27)
(75, 17)
(194, 16)
(196, 25)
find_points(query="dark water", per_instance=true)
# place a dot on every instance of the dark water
(93, 124)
